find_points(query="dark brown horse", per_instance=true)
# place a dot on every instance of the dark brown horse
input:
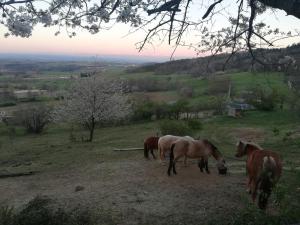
(150, 144)
(195, 149)
(264, 169)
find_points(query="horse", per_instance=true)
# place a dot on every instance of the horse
(264, 169)
(196, 149)
(150, 144)
(165, 143)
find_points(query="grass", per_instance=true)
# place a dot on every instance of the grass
(53, 150)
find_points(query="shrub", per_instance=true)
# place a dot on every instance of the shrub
(174, 127)
(194, 124)
(6, 215)
(39, 212)
(8, 103)
(33, 118)
(143, 111)
(265, 100)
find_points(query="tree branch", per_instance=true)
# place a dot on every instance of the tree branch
(291, 7)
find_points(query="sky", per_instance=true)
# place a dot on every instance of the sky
(116, 41)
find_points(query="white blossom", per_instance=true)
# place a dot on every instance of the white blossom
(93, 100)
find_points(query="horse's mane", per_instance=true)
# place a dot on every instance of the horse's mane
(254, 145)
(215, 152)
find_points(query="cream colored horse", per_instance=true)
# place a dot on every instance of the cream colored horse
(165, 143)
(195, 149)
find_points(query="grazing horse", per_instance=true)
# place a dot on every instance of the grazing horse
(150, 144)
(165, 143)
(264, 168)
(195, 149)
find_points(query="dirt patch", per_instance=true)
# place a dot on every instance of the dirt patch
(139, 191)
(256, 135)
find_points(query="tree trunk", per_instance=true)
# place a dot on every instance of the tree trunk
(92, 128)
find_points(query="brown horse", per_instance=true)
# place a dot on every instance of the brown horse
(150, 144)
(165, 143)
(195, 149)
(264, 169)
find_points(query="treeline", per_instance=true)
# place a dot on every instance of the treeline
(181, 109)
(211, 64)
(35, 66)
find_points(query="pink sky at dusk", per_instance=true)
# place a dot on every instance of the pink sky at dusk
(107, 42)
(114, 42)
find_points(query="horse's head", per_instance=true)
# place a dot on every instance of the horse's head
(221, 164)
(241, 149)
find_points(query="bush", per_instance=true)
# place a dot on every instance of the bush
(33, 118)
(6, 215)
(8, 103)
(265, 100)
(174, 127)
(194, 124)
(39, 212)
(143, 111)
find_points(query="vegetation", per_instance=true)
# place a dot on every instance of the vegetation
(179, 128)
(58, 149)
(91, 101)
(34, 118)
(39, 211)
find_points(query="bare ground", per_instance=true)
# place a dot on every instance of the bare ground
(137, 190)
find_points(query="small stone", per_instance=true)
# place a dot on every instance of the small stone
(79, 188)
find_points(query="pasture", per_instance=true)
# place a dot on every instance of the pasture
(131, 190)
(122, 187)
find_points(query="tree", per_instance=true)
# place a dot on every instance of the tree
(93, 100)
(34, 118)
(162, 20)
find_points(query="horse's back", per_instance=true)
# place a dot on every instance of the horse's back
(259, 160)
(181, 147)
(152, 142)
(166, 141)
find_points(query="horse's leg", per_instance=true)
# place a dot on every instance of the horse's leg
(206, 166)
(200, 164)
(152, 154)
(248, 185)
(253, 190)
(146, 151)
(174, 169)
(170, 166)
(171, 161)
(185, 161)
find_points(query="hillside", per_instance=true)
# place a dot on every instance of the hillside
(206, 65)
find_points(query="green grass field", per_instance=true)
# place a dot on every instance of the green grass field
(55, 152)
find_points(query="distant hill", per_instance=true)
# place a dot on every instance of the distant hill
(206, 65)
(81, 58)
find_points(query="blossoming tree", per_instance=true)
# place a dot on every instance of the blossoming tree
(91, 101)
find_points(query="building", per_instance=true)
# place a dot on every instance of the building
(235, 109)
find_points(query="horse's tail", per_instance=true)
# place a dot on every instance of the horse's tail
(171, 158)
(146, 152)
(267, 180)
